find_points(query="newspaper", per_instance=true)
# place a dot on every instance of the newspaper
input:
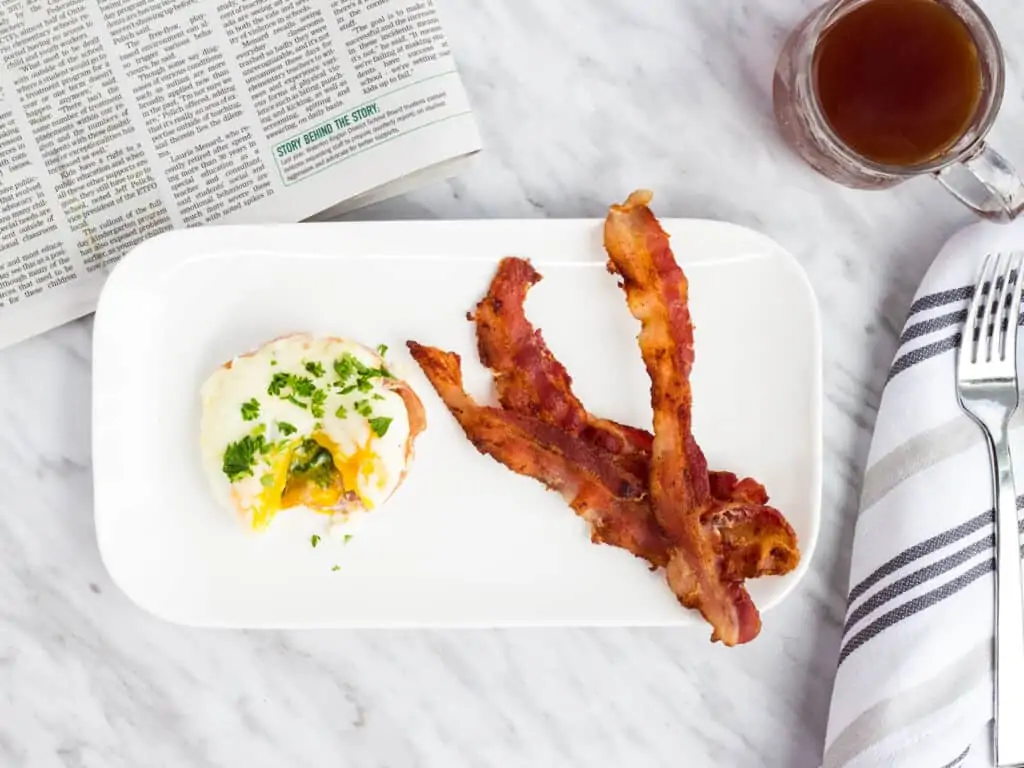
(120, 119)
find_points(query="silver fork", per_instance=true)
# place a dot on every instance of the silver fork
(986, 381)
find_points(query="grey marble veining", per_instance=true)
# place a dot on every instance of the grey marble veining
(579, 102)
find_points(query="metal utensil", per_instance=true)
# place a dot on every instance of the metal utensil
(986, 381)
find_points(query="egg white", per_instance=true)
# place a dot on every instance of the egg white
(370, 466)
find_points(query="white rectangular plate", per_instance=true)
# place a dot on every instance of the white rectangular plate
(464, 542)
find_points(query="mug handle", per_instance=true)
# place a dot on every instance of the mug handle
(986, 183)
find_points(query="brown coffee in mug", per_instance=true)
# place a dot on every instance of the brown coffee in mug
(873, 92)
(898, 80)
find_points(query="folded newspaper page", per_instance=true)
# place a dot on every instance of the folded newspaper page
(120, 119)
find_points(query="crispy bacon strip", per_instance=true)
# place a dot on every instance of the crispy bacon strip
(657, 294)
(528, 447)
(529, 379)
(757, 540)
(594, 485)
(722, 533)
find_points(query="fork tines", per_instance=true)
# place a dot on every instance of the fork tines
(990, 333)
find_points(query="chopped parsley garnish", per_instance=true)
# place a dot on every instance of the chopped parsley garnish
(348, 538)
(317, 403)
(286, 429)
(251, 410)
(240, 456)
(316, 369)
(380, 425)
(267, 481)
(290, 387)
(378, 373)
(314, 462)
(377, 396)
(318, 426)
(259, 429)
(336, 568)
(349, 389)
(362, 407)
(382, 349)
(375, 373)
(273, 362)
(303, 386)
(341, 413)
(277, 384)
(348, 365)
(364, 385)
(295, 401)
(345, 366)
(314, 540)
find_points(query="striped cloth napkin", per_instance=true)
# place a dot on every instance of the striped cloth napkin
(914, 680)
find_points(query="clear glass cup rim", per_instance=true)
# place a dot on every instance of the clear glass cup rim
(966, 146)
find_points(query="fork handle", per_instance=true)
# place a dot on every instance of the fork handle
(1009, 635)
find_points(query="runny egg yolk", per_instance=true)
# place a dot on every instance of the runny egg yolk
(319, 424)
(292, 483)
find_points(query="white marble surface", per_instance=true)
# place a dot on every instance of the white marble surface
(579, 102)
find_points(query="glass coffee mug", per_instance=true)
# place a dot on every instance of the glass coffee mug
(874, 92)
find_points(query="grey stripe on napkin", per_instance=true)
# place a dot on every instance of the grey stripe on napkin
(934, 324)
(904, 709)
(915, 606)
(921, 452)
(941, 299)
(913, 686)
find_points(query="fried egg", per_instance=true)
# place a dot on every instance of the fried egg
(310, 422)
